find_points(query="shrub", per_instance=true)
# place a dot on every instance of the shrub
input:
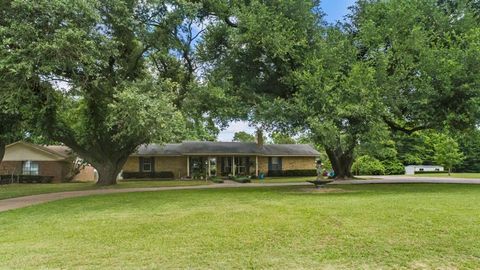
(424, 172)
(367, 165)
(149, 175)
(35, 179)
(292, 173)
(242, 180)
(393, 167)
(215, 179)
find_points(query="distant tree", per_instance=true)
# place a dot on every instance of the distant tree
(469, 143)
(447, 152)
(243, 136)
(282, 138)
(367, 165)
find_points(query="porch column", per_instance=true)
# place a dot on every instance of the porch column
(233, 166)
(256, 166)
(188, 166)
(209, 170)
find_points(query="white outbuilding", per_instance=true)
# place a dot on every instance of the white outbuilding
(411, 169)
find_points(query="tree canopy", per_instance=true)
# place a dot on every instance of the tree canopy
(339, 83)
(90, 71)
(243, 136)
(104, 77)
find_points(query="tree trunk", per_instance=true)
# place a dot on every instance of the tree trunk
(341, 162)
(108, 171)
(449, 171)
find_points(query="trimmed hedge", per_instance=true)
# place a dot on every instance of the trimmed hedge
(424, 172)
(150, 175)
(34, 179)
(242, 180)
(216, 179)
(292, 173)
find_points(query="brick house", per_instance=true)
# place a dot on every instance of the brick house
(56, 161)
(193, 159)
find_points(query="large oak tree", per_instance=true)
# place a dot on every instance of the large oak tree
(89, 71)
(338, 83)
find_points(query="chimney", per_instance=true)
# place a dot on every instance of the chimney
(259, 137)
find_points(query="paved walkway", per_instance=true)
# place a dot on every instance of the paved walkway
(20, 202)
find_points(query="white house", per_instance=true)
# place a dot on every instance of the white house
(411, 169)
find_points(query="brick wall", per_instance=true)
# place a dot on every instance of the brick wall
(177, 165)
(298, 163)
(263, 164)
(86, 174)
(289, 163)
(7, 167)
(57, 169)
(132, 165)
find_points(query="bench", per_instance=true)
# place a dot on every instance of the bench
(320, 183)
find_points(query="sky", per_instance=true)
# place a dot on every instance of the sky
(334, 11)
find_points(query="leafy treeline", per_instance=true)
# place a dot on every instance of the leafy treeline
(389, 153)
(104, 77)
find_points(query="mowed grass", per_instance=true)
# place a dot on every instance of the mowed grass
(452, 175)
(423, 226)
(17, 190)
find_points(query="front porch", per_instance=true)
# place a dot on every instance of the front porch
(209, 166)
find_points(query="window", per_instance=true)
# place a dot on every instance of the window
(276, 163)
(30, 168)
(147, 165)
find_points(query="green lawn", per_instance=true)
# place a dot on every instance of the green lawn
(453, 175)
(17, 190)
(422, 226)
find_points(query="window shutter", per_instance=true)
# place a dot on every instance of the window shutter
(152, 159)
(269, 163)
(140, 164)
(280, 168)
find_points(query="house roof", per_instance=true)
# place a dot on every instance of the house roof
(56, 152)
(289, 150)
(226, 148)
(159, 150)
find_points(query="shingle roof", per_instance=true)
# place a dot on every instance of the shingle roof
(60, 149)
(238, 148)
(219, 148)
(159, 150)
(289, 150)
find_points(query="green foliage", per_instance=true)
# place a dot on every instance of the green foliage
(469, 143)
(423, 61)
(282, 138)
(393, 167)
(367, 165)
(114, 96)
(447, 152)
(243, 136)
